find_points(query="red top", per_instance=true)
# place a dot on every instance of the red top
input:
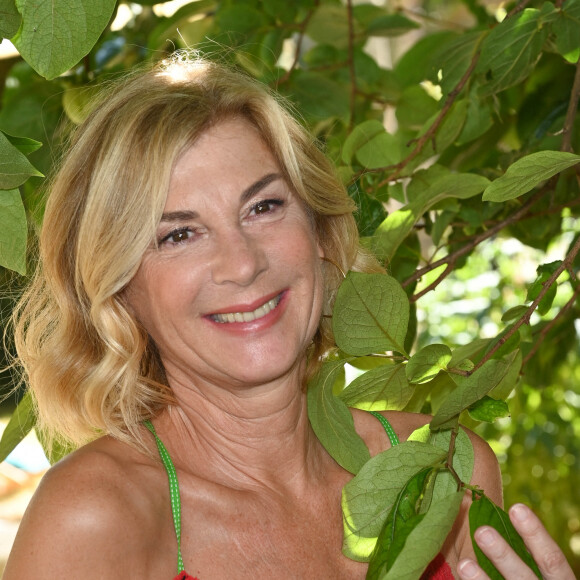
(438, 569)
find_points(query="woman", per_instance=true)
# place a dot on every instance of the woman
(186, 255)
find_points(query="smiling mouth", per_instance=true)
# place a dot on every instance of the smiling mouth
(260, 312)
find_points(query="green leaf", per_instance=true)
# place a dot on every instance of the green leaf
(21, 423)
(426, 539)
(9, 19)
(527, 172)
(13, 231)
(23, 144)
(511, 50)
(565, 29)
(484, 512)
(380, 151)
(77, 102)
(371, 313)
(397, 226)
(332, 421)
(488, 410)
(310, 91)
(280, 9)
(402, 519)
(472, 388)
(514, 313)
(510, 379)
(359, 136)
(329, 25)
(416, 65)
(392, 232)
(463, 458)
(55, 35)
(240, 19)
(455, 57)
(426, 364)
(368, 498)
(379, 389)
(15, 168)
(390, 25)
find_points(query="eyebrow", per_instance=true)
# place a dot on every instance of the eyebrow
(247, 194)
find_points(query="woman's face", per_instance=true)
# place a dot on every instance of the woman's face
(233, 291)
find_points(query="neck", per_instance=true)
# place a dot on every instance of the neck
(247, 437)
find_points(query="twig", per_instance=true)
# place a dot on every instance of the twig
(571, 113)
(351, 68)
(430, 133)
(517, 8)
(525, 319)
(454, 256)
(544, 332)
(302, 31)
(449, 463)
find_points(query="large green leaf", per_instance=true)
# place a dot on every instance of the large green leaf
(15, 168)
(510, 51)
(359, 136)
(472, 388)
(332, 421)
(426, 364)
(370, 315)
(379, 389)
(565, 29)
(402, 519)
(56, 34)
(13, 231)
(484, 512)
(9, 19)
(21, 423)
(527, 172)
(368, 498)
(426, 539)
(488, 409)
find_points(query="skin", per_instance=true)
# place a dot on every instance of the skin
(260, 495)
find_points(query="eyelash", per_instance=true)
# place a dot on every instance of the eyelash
(188, 230)
(276, 202)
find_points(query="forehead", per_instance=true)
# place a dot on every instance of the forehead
(229, 155)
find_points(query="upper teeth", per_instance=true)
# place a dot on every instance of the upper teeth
(248, 316)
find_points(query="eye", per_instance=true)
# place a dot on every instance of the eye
(177, 236)
(265, 206)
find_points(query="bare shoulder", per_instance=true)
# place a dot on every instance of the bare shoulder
(88, 505)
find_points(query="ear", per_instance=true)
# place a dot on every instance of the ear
(320, 250)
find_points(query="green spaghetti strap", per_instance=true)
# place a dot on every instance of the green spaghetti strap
(390, 431)
(173, 492)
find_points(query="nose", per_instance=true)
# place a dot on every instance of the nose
(239, 258)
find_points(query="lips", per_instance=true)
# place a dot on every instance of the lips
(247, 316)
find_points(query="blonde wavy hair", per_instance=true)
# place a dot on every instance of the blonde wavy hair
(90, 365)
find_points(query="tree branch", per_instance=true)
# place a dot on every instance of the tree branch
(525, 319)
(428, 135)
(302, 31)
(517, 8)
(454, 256)
(571, 112)
(545, 331)
(351, 62)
